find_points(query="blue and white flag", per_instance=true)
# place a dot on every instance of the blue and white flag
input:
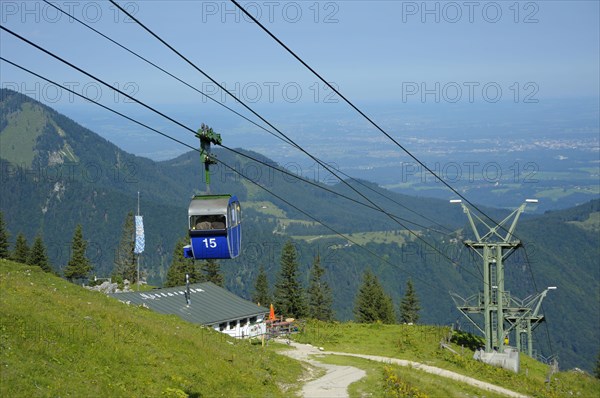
(139, 235)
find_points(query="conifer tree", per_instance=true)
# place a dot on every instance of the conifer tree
(597, 370)
(125, 264)
(289, 294)
(181, 266)
(320, 299)
(387, 314)
(261, 289)
(211, 272)
(79, 265)
(409, 306)
(21, 251)
(365, 305)
(4, 245)
(37, 255)
(372, 304)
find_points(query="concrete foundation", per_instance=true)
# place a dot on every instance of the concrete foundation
(509, 359)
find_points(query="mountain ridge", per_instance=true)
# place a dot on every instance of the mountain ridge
(99, 189)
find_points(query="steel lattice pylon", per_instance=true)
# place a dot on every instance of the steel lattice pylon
(501, 313)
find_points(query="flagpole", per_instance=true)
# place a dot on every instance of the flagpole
(138, 256)
(139, 239)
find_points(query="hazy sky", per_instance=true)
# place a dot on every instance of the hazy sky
(464, 52)
(370, 49)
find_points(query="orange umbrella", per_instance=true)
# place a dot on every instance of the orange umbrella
(272, 313)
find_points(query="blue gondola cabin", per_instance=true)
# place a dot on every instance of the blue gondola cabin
(214, 227)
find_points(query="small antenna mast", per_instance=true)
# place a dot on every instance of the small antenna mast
(188, 298)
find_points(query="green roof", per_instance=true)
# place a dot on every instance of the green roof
(210, 304)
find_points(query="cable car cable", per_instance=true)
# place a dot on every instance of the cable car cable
(162, 69)
(263, 119)
(232, 110)
(97, 103)
(226, 165)
(307, 153)
(393, 217)
(371, 121)
(416, 235)
(187, 128)
(331, 190)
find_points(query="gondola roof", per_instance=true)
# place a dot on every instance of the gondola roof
(209, 204)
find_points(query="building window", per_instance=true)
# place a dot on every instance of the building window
(243, 322)
(232, 324)
(222, 326)
(252, 320)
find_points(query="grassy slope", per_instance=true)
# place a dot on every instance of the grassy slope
(57, 339)
(20, 135)
(363, 238)
(592, 223)
(421, 343)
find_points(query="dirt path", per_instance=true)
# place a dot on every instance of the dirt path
(337, 379)
(334, 384)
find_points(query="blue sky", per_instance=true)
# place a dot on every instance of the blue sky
(368, 48)
(375, 51)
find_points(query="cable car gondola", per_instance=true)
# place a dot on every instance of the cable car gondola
(214, 221)
(214, 227)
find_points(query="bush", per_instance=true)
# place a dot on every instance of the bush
(468, 340)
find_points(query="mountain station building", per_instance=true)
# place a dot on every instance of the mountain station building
(209, 305)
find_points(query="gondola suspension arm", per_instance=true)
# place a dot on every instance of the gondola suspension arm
(207, 137)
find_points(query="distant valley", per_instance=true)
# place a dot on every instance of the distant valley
(498, 154)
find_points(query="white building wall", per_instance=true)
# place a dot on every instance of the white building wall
(244, 327)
